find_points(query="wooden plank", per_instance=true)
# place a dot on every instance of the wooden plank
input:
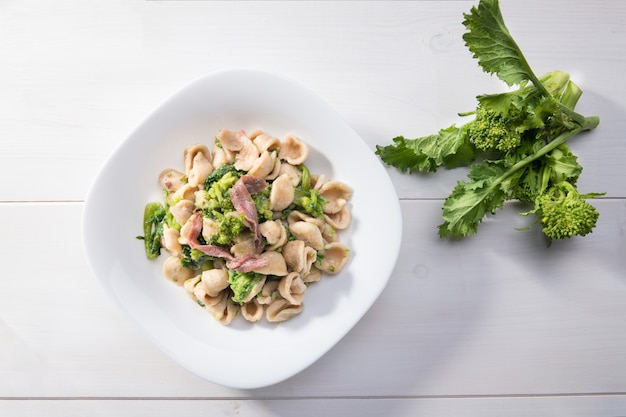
(579, 406)
(497, 314)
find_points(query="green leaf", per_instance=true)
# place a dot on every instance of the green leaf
(446, 147)
(493, 46)
(469, 202)
(563, 164)
(450, 147)
(403, 155)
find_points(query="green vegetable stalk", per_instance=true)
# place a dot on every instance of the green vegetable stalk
(515, 144)
(153, 219)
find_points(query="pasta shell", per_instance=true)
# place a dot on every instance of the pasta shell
(200, 293)
(171, 179)
(280, 310)
(282, 193)
(189, 286)
(293, 150)
(197, 292)
(298, 256)
(317, 181)
(252, 311)
(275, 264)
(247, 155)
(222, 156)
(182, 211)
(262, 166)
(274, 233)
(225, 310)
(312, 276)
(185, 230)
(340, 220)
(329, 233)
(307, 232)
(197, 164)
(214, 281)
(185, 192)
(335, 256)
(229, 140)
(170, 240)
(265, 142)
(209, 228)
(243, 246)
(276, 168)
(256, 132)
(296, 216)
(292, 288)
(337, 194)
(292, 172)
(269, 292)
(175, 272)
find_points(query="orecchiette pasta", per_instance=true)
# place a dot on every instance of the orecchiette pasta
(293, 150)
(252, 311)
(175, 271)
(197, 164)
(299, 256)
(248, 228)
(274, 233)
(292, 288)
(282, 193)
(214, 281)
(182, 211)
(170, 240)
(281, 309)
(263, 165)
(309, 233)
(171, 180)
(337, 194)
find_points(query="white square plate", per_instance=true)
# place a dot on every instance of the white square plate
(243, 355)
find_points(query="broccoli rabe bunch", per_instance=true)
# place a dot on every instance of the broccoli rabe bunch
(515, 144)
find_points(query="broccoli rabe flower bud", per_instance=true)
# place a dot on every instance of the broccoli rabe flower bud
(242, 284)
(493, 131)
(228, 228)
(564, 212)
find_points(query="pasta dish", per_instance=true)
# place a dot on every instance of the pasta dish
(247, 227)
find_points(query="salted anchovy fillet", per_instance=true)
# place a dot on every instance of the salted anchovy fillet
(253, 184)
(211, 250)
(246, 263)
(241, 196)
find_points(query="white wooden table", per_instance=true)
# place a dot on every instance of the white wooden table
(495, 325)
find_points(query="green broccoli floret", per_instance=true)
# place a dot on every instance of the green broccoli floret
(310, 201)
(564, 212)
(502, 121)
(195, 259)
(307, 199)
(241, 283)
(492, 130)
(228, 228)
(218, 194)
(262, 203)
(219, 172)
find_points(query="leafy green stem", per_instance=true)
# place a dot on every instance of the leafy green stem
(559, 140)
